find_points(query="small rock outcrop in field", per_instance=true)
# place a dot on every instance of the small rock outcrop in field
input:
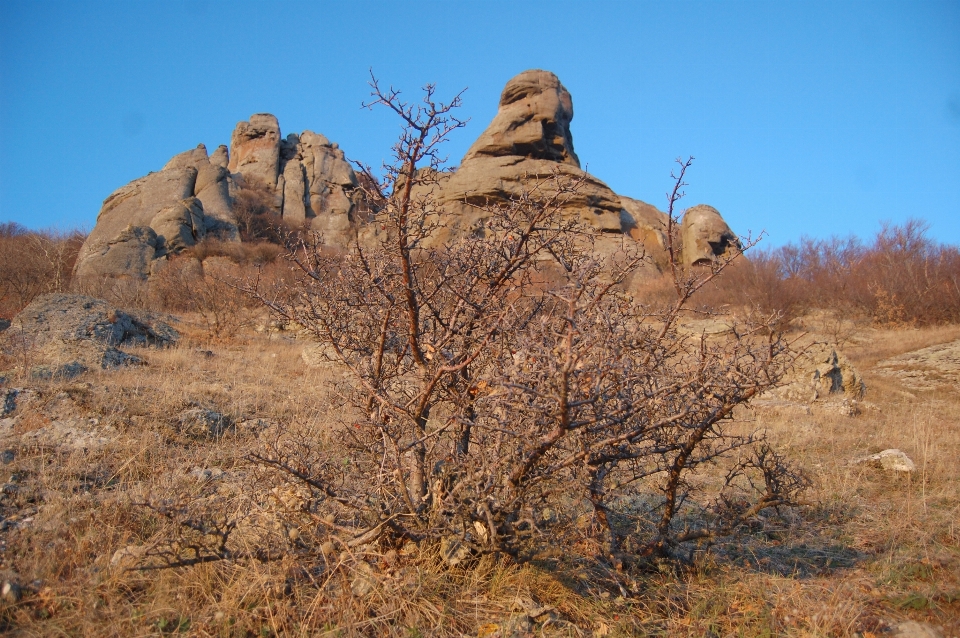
(929, 368)
(822, 373)
(892, 460)
(63, 335)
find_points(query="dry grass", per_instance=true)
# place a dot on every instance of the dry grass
(870, 549)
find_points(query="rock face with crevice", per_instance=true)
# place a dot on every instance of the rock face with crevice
(528, 142)
(193, 197)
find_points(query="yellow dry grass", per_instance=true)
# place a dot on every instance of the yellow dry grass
(869, 550)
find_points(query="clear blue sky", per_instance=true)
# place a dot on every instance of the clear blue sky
(817, 118)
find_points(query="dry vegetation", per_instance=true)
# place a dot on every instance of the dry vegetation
(215, 491)
(33, 263)
(868, 549)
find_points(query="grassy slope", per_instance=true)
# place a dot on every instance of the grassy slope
(871, 549)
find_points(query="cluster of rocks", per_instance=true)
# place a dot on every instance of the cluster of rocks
(309, 183)
(61, 335)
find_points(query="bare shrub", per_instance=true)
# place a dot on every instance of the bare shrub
(210, 289)
(901, 278)
(33, 263)
(503, 393)
(256, 209)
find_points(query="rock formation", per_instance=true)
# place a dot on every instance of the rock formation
(529, 140)
(308, 182)
(192, 197)
(705, 236)
(72, 333)
(160, 213)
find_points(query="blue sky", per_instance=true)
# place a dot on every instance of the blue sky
(816, 118)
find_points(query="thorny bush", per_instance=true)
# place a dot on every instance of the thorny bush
(503, 392)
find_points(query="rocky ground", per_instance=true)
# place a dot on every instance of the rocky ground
(87, 440)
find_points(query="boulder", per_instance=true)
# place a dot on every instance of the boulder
(255, 148)
(706, 236)
(892, 460)
(161, 213)
(822, 373)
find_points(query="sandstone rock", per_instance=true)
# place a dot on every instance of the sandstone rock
(255, 148)
(179, 225)
(294, 193)
(330, 184)
(528, 142)
(221, 157)
(120, 244)
(131, 207)
(705, 236)
(129, 254)
(309, 182)
(212, 188)
(128, 556)
(533, 121)
(645, 224)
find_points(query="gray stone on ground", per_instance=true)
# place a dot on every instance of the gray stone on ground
(62, 335)
(201, 422)
(892, 460)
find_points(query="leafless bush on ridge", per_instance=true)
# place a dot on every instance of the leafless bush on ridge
(504, 393)
(901, 278)
(33, 263)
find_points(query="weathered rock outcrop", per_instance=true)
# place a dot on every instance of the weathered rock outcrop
(192, 197)
(528, 142)
(705, 236)
(308, 182)
(67, 334)
(821, 372)
(255, 148)
(160, 213)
